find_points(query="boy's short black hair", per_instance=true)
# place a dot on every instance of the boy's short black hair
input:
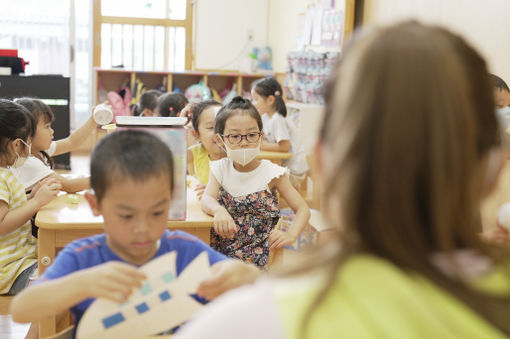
(499, 83)
(132, 154)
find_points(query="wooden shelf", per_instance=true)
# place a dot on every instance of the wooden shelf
(114, 79)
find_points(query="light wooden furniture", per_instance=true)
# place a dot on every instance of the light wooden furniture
(113, 79)
(273, 156)
(5, 302)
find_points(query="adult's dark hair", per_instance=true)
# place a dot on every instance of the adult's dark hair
(15, 122)
(129, 154)
(39, 111)
(148, 100)
(499, 83)
(269, 86)
(198, 109)
(237, 106)
(170, 104)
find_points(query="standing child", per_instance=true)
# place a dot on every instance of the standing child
(39, 165)
(240, 193)
(199, 155)
(170, 104)
(148, 104)
(18, 248)
(132, 179)
(280, 133)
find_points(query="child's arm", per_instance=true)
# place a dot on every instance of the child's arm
(73, 184)
(227, 275)
(12, 219)
(277, 238)
(281, 146)
(223, 223)
(76, 138)
(190, 165)
(111, 280)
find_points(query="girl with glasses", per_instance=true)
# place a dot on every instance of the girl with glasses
(241, 193)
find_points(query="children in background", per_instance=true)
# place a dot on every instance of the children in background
(18, 248)
(280, 133)
(132, 179)
(148, 104)
(240, 193)
(199, 155)
(501, 91)
(170, 104)
(39, 165)
(404, 168)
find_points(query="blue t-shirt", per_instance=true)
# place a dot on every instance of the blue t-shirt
(92, 251)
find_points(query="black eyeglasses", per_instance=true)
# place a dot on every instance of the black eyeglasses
(252, 137)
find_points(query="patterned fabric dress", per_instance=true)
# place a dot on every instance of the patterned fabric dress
(255, 215)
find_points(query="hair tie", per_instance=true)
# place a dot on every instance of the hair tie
(171, 108)
(277, 93)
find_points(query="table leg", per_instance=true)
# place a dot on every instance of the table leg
(47, 327)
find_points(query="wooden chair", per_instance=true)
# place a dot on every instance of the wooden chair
(5, 302)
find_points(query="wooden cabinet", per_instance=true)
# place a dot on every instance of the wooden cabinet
(115, 79)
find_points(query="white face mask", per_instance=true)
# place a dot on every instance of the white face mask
(242, 156)
(19, 161)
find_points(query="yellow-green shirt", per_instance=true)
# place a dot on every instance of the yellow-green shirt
(373, 298)
(200, 162)
(18, 249)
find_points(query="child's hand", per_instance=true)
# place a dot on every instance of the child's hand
(111, 280)
(226, 275)
(199, 190)
(224, 224)
(187, 112)
(498, 235)
(279, 239)
(46, 190)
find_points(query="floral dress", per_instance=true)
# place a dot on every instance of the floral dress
(255, 215)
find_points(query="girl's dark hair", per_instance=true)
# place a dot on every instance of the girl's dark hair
(148, 100)
(129, 154)
(15, 122)
(170, 104)
(238, 105)
(38, 110)
(269, 86)
(198, 109)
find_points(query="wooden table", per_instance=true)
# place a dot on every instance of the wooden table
(62, 221)
(273, 156)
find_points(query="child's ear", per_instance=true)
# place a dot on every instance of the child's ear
(218, 139)
(94, 205)
(195, 134)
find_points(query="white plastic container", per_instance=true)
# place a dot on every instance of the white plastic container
(504, 216)
(103, 114)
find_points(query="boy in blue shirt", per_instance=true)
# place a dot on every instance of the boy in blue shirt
(132, 179)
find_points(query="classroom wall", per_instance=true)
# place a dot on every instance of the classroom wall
(484, 23)
(283, 27)
(221, 32)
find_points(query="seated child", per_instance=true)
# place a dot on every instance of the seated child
(132, 181)
(148, 104)
(280, 134)
(241, 193)
(199, 155)
(170, 104)
(18, 256)
(40, 164)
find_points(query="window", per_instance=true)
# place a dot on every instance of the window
(148, 35)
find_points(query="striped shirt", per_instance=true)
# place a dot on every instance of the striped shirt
(18, 249)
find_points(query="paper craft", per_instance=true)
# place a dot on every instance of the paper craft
(162, 302)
